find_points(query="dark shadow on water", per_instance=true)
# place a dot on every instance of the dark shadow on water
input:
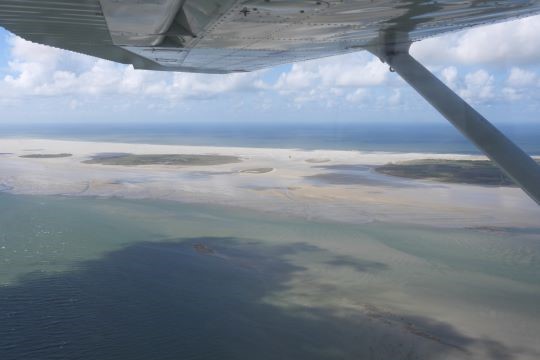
(357, 264)
(202, 298)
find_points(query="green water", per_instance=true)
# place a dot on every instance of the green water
(85, 278)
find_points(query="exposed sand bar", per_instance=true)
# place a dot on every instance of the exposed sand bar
(321, 184)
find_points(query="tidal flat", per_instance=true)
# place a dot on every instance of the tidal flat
(45, 156)
(116, 278)
(327, 185)
(477, 172)
(162, 159)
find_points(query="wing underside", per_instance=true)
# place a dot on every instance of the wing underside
(220, 36)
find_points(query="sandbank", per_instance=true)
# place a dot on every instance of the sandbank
(339, 186)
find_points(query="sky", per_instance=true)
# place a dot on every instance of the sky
(496, 68)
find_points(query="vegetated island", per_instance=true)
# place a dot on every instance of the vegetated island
(257, 170)
(317, 161)
(477, 172)
(162, 159)
(45, 156)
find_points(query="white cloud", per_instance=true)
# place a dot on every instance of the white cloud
(357, 96)
(505, 43)
(478, 86)
(511, 94)
(521, 84)
(188, 85)
(298, 78)
(330, 80)
(521, 78)
(469, 62)
(38, 70)
(74, 104)
(395, 98)
(450, 76)
(352, 70)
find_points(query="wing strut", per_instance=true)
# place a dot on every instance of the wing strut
(508, 156)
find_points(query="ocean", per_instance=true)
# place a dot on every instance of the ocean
(422, 138)
(133, 279)
(123, 279)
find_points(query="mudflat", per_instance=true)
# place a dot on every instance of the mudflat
(478, 172)
(45, 156)
(163, 159)
(348, 187)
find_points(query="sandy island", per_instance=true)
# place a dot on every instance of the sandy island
(321, 184)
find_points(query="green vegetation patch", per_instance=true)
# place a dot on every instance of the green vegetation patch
(257, 170)
(163, 159)
(46, 156)
(478, 172)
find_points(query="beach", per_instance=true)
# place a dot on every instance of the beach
(330, 185)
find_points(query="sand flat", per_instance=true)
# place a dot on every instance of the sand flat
(345, 188)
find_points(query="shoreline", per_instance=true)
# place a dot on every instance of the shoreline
(324, 185)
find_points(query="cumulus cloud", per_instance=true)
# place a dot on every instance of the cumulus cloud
(512, 94)
(357, 96)
(470, 62)
(478, 86)
(326, 80)
(450, 76)
(349, 71)
(395, 98)
(474, 86)
(37, 70)
(521, 77)
(187, 85)
(503, 44)
(521, 84)
(298, 78)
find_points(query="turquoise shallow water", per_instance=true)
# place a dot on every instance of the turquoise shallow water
(85, 278)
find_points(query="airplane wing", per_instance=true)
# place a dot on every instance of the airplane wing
(221, 36)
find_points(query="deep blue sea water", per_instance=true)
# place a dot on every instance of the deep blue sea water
(119, 279)
(428, 138)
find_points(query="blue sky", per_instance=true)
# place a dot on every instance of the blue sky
(495, 67)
